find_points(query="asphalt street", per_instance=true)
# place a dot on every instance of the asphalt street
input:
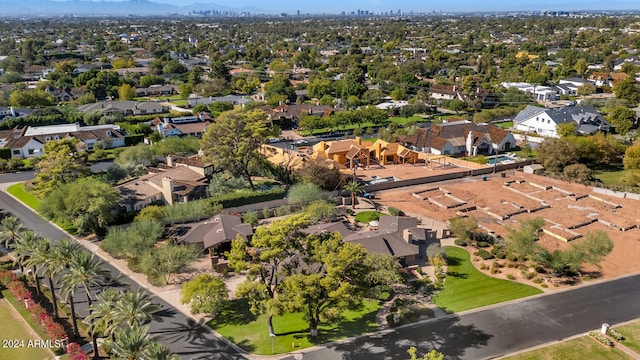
(180, 333)
(483, 334)
(502, 329)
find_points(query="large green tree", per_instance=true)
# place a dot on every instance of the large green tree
(622, 118)
(87, 203)
(627, 89)
(61, 163)
(233, 140)
(204, 294)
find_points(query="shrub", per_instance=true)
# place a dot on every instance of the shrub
(511, 257)
(482, 244)
(245, 197)
(484, 254)
(266, 213)
(6, 277)
(75, 352)
(537, 281)
(283, 210)
(616, 335)
(601, 338)
(5, 153)
(395, 211)
(460, 242)
(544, 286)
(133, 139)
(484, 266)
(531, 275)
(250, 217)
(511, 277)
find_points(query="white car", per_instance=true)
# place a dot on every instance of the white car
(274, 140)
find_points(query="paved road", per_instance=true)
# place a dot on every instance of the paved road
(182, 334)
(502, 329)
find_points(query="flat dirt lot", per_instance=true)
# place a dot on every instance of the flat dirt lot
(570, 210)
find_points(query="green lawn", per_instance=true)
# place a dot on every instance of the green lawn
(575, 349)
(252, 333)
(401, 120)
(18, 191)
(610, 174)
(631, 332)
(505, 125)
(12, 327)
(366, 216)
(467, 288)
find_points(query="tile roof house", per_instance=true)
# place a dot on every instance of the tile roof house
(544, 121)
(350, 152)
(460, 137)
(193, 125)
(441, 92)
(217, 232)
(29, 141)
(287, 114)
(166, 185)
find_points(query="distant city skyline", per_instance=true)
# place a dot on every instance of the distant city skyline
(423, 6)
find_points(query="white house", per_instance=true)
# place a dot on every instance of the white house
(460, 137)
(29, 141)
(544, 122)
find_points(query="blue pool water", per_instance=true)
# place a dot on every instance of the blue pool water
(499, 159)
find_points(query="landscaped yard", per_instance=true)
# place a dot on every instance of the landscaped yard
(18, 191)
(12, 327)
(467, 288)
(367, 216)
(575, 349)
(292, 332)
(631, 332)
(401, 120)
(610, 175)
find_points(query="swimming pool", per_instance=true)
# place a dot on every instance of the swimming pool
(500, 158)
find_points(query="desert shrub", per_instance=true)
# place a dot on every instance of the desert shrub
(395, 211)
(460, 242)
(482, 244)
(484, 266)
(537, 281)
(250, 217)
(484, 254)
(511, 277)
(511, 257)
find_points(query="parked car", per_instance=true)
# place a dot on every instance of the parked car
(274, 140)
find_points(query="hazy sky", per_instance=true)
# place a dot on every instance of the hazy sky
(421, 5)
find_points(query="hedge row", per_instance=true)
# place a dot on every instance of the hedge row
(246, 197)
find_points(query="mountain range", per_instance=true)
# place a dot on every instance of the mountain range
(43, 8)
(37, 8)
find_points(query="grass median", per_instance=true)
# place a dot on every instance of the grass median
(468, 288)
(19, 192)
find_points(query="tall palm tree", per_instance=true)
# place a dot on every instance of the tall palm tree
(49, 268)
(60, 261)
(25, 246)
(84, 271)
(353, 187)
(134, 307)
(158, 351)
(131, 343)
(10, 230)
(101, 317)
(39, 250)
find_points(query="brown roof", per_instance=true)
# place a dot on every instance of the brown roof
(342, 146)
(219, 229)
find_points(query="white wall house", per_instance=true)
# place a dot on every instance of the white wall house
(544, 122)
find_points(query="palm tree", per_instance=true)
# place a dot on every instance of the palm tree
(158, 351)
(134, 307)
(56, 263)
(24, 249)
(84, 271)
(39, 250)
(101, 312)
(353, 187)
(131, 343)
(10, 230)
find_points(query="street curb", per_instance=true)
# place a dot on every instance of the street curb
(86, 244)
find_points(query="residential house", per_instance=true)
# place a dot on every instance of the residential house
(542, 93)
(544, 121)
(157, 90)
(142, 70)
(125, 107)
(441, 93)
(66, 94)
(286, 115)
(398, 236)
(216, 233)
(194, 125)
(460, 138)
(350, 152)
(235, 100)
(167, 185)
(29, 141)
